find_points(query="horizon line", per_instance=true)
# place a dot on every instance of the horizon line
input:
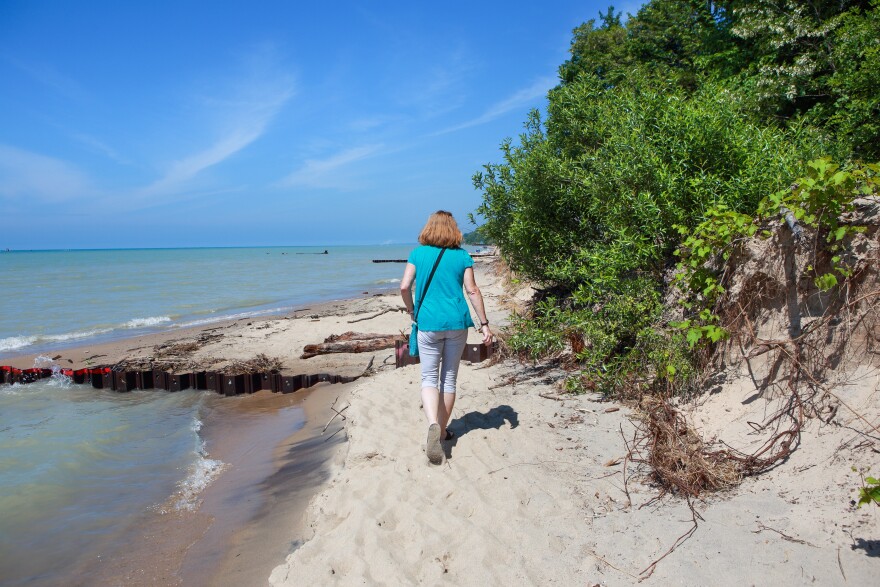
(325, 246)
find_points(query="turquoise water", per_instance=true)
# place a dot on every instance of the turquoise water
(49, 299)
(79, 466)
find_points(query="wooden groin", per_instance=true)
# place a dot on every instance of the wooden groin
(219, 382)
(107, 378)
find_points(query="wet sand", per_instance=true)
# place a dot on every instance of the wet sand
(258, 505)
(249, 519)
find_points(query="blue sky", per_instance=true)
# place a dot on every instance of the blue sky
(161, 124)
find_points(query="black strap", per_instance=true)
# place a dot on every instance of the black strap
(427, 283)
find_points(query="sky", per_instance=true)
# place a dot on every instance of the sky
(268, 123)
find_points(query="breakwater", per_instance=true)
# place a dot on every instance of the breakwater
(225, 384)
(217, 381)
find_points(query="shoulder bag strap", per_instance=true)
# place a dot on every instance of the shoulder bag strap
(427, 283)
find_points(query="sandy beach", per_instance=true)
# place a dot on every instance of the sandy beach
(534, 489)
(534, 492)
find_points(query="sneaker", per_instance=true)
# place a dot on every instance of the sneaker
(433, 449)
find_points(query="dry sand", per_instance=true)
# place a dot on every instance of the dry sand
(532, 493)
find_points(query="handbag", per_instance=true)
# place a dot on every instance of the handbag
(414, 332)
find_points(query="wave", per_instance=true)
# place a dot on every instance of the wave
(146, 322)
(201, 473)
(392, 280)
(13, 343)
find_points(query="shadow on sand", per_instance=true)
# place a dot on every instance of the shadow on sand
(494, 418)
(871, 547)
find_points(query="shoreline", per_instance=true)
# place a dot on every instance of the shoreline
(251, 516)
(251, 539)
(78, 354)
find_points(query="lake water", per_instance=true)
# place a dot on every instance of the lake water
(80, 466)
(49, 299)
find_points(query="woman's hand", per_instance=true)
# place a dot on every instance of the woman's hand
(487, 334)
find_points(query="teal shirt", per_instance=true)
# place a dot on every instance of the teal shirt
(444, 307)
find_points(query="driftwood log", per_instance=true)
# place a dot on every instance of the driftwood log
(350, 342)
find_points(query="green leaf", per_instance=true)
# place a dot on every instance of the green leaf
(826, 282)
(714, 333)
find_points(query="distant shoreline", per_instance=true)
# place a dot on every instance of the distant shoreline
(320, 247)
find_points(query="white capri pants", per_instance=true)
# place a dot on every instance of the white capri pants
(440, 353)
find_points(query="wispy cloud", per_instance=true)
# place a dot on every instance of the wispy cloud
(370, 123)
(187, 168)
(24, 174)
(324, 173)
(100, 146)
(48, 76)
(523, 98)
(243, 110)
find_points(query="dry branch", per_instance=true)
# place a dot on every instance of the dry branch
(377, 314)
(350, 342)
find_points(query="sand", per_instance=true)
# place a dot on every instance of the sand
(532, 490)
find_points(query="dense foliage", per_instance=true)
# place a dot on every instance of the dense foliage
(477, 237)
(687, 109)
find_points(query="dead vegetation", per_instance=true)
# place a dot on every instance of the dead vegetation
(676, 456)
(797, 343)
(259, 364)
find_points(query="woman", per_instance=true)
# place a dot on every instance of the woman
(443, 319)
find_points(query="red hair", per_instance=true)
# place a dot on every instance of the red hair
(441, 230)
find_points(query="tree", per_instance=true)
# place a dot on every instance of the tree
(818, 60)
(599, 51)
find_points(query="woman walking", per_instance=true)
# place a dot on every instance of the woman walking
(439, 268)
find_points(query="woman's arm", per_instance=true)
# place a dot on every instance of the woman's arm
(406, 283)
(476, 298)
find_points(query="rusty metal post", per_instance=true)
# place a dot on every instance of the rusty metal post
(265, 381)
(233, 384)
(179, 382)
(125, 380)
(160, 379)
(214, 381)
(146, 379)
(289, 384)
